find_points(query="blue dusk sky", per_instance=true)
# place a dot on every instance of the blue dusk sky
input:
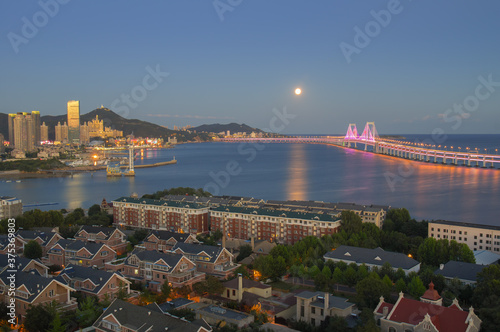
(409, 66)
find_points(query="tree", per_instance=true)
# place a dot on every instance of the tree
(400, 285)
(94, 210)
(122, 291)
(369, 291)
(245, 251)
(33, 250)
(87, 312)
(386, 280)
(57, 325)
(351, 222)
(416, 287)
(39, 317)
(350, 276)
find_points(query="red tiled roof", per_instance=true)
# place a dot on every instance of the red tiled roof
(431, 293)
(385, 304)
(445, 319)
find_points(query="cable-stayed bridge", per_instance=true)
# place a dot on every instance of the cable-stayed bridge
(370, 141)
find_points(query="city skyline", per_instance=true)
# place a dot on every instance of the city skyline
(404, 65)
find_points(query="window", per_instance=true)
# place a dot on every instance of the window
(51, 293)
(302, 311)
(313, 310)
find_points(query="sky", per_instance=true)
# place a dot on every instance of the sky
(409, 66)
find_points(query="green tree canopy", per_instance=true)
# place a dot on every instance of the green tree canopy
(33, 250)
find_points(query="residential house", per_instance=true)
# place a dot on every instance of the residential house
(122, 316)
(23, 264)
(112, 237)
(165, 240)
(213, 315)
(80, 253)
(314, 307)
(45, 239)
(214, 260)
(154, 268)
(237, 288)
(408, 315)
(373, 257)
(465, 272)
(98, 283)
(33, 289)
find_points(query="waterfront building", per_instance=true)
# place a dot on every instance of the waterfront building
(160, 215)
(44, 132)
(10, 207)
(475, 236)
(408, 315)
(286, 227)
(61, 132)
(372, 258)
(24, 134)
(74, 121)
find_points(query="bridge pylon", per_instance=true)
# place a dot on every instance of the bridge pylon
(369, 133)
(352, 132)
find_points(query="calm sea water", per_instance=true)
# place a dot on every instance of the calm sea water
(294, 171)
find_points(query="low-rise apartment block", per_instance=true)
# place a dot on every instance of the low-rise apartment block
(475, 236)
(10, 207)
(272, 225)
(161, 215)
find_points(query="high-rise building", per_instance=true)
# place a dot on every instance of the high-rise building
(22, 130)
(44, 132)
(1, 144)
(61, 132)
(74, 121)
(10, 120)
(35, 115)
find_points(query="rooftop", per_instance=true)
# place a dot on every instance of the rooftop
(377, 256)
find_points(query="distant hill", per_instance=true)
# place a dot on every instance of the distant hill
(232, 127)
(129, 126)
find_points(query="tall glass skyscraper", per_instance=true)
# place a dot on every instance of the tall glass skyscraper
(74, 121)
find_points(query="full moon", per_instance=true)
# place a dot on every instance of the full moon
(298, 91)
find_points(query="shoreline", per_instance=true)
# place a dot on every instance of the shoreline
(69, 171)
